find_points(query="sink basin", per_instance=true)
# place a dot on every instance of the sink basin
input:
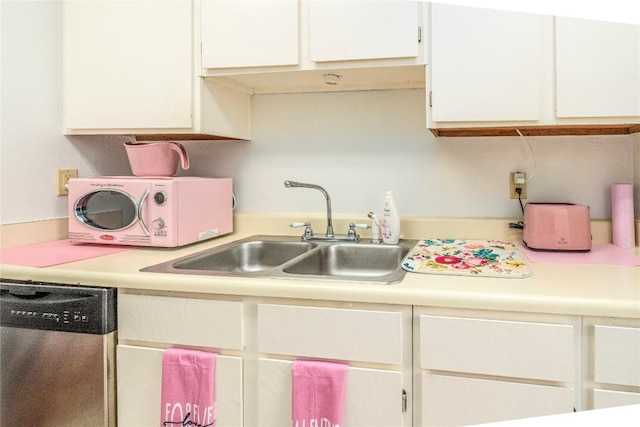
(249, 256)
(350, 260)
(287, 257)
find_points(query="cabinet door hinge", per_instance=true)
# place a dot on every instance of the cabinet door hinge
(419, 33)
(430, 99)
(404, 401)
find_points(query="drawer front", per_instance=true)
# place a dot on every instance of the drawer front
(373, 397)
(330, 333)
(609, 398)
(451, 401)
(214, 324)
(617, 355)
(493, 347)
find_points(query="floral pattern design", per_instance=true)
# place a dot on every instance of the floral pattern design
(488, 258)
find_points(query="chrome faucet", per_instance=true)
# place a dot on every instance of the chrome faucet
(293, 184)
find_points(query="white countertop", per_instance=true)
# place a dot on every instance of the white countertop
(594, 290)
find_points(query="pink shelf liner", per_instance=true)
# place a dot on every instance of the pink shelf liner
(601, 253)
(54, 253)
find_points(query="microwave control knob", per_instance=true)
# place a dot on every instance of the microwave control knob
(160, 198)
(158, 224)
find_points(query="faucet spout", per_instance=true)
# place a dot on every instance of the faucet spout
(295, 184)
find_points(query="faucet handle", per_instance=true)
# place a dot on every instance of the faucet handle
(352, 235)
(308, 232)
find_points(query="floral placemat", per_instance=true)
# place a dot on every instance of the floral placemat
(482, 258)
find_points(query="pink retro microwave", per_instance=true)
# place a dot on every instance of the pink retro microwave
(150, 211)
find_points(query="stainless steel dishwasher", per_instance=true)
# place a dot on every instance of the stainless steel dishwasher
(57, 355)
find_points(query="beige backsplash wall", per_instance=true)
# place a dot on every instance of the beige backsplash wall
(357, 145)
(26, 233)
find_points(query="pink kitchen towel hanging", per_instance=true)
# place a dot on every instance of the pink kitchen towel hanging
(188, 388)
(318, 393)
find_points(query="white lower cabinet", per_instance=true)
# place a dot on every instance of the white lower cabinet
(375, 341)
(477, 367)
(147, 324)
(613, 355)
(420, 366)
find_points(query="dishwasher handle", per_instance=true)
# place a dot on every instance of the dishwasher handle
(28, 294)
(58, 308)
(38, 298)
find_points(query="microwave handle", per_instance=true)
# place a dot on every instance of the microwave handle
(143, 200)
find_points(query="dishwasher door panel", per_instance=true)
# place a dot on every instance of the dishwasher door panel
(56, 379)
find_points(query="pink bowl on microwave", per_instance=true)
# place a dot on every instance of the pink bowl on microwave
(156, 158)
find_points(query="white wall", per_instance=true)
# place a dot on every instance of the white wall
(636, 175)
(31, 141)
(359, 144)
(356, 145)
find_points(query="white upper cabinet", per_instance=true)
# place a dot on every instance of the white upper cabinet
(127, 64)
(129, 68)
(485, 65)
(597, 68)
(249, 33)
(501, 69)
(355, 30)
(264, 46)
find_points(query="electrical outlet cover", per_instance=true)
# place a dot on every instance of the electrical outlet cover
(63, 177)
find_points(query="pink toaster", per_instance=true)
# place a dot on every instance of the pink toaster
(557, 227)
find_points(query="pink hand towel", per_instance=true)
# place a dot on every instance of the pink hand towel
(318, 393)
(188, 387)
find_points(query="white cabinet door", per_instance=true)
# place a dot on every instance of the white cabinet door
(249, 33)
(453, 401)
(356, 30)
(597, 68)
(617, 355)
(127, 64)
(373, 397)
(485, 65)
(140, 387)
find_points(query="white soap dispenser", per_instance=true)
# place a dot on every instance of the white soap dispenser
(390, 220)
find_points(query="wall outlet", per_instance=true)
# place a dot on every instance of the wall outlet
(518, 180)
(63, 177)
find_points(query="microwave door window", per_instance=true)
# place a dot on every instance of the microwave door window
(107, 210)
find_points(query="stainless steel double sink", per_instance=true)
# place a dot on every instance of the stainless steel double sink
(287, 257)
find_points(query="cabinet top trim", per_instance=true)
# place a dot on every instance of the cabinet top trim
(558, 130)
